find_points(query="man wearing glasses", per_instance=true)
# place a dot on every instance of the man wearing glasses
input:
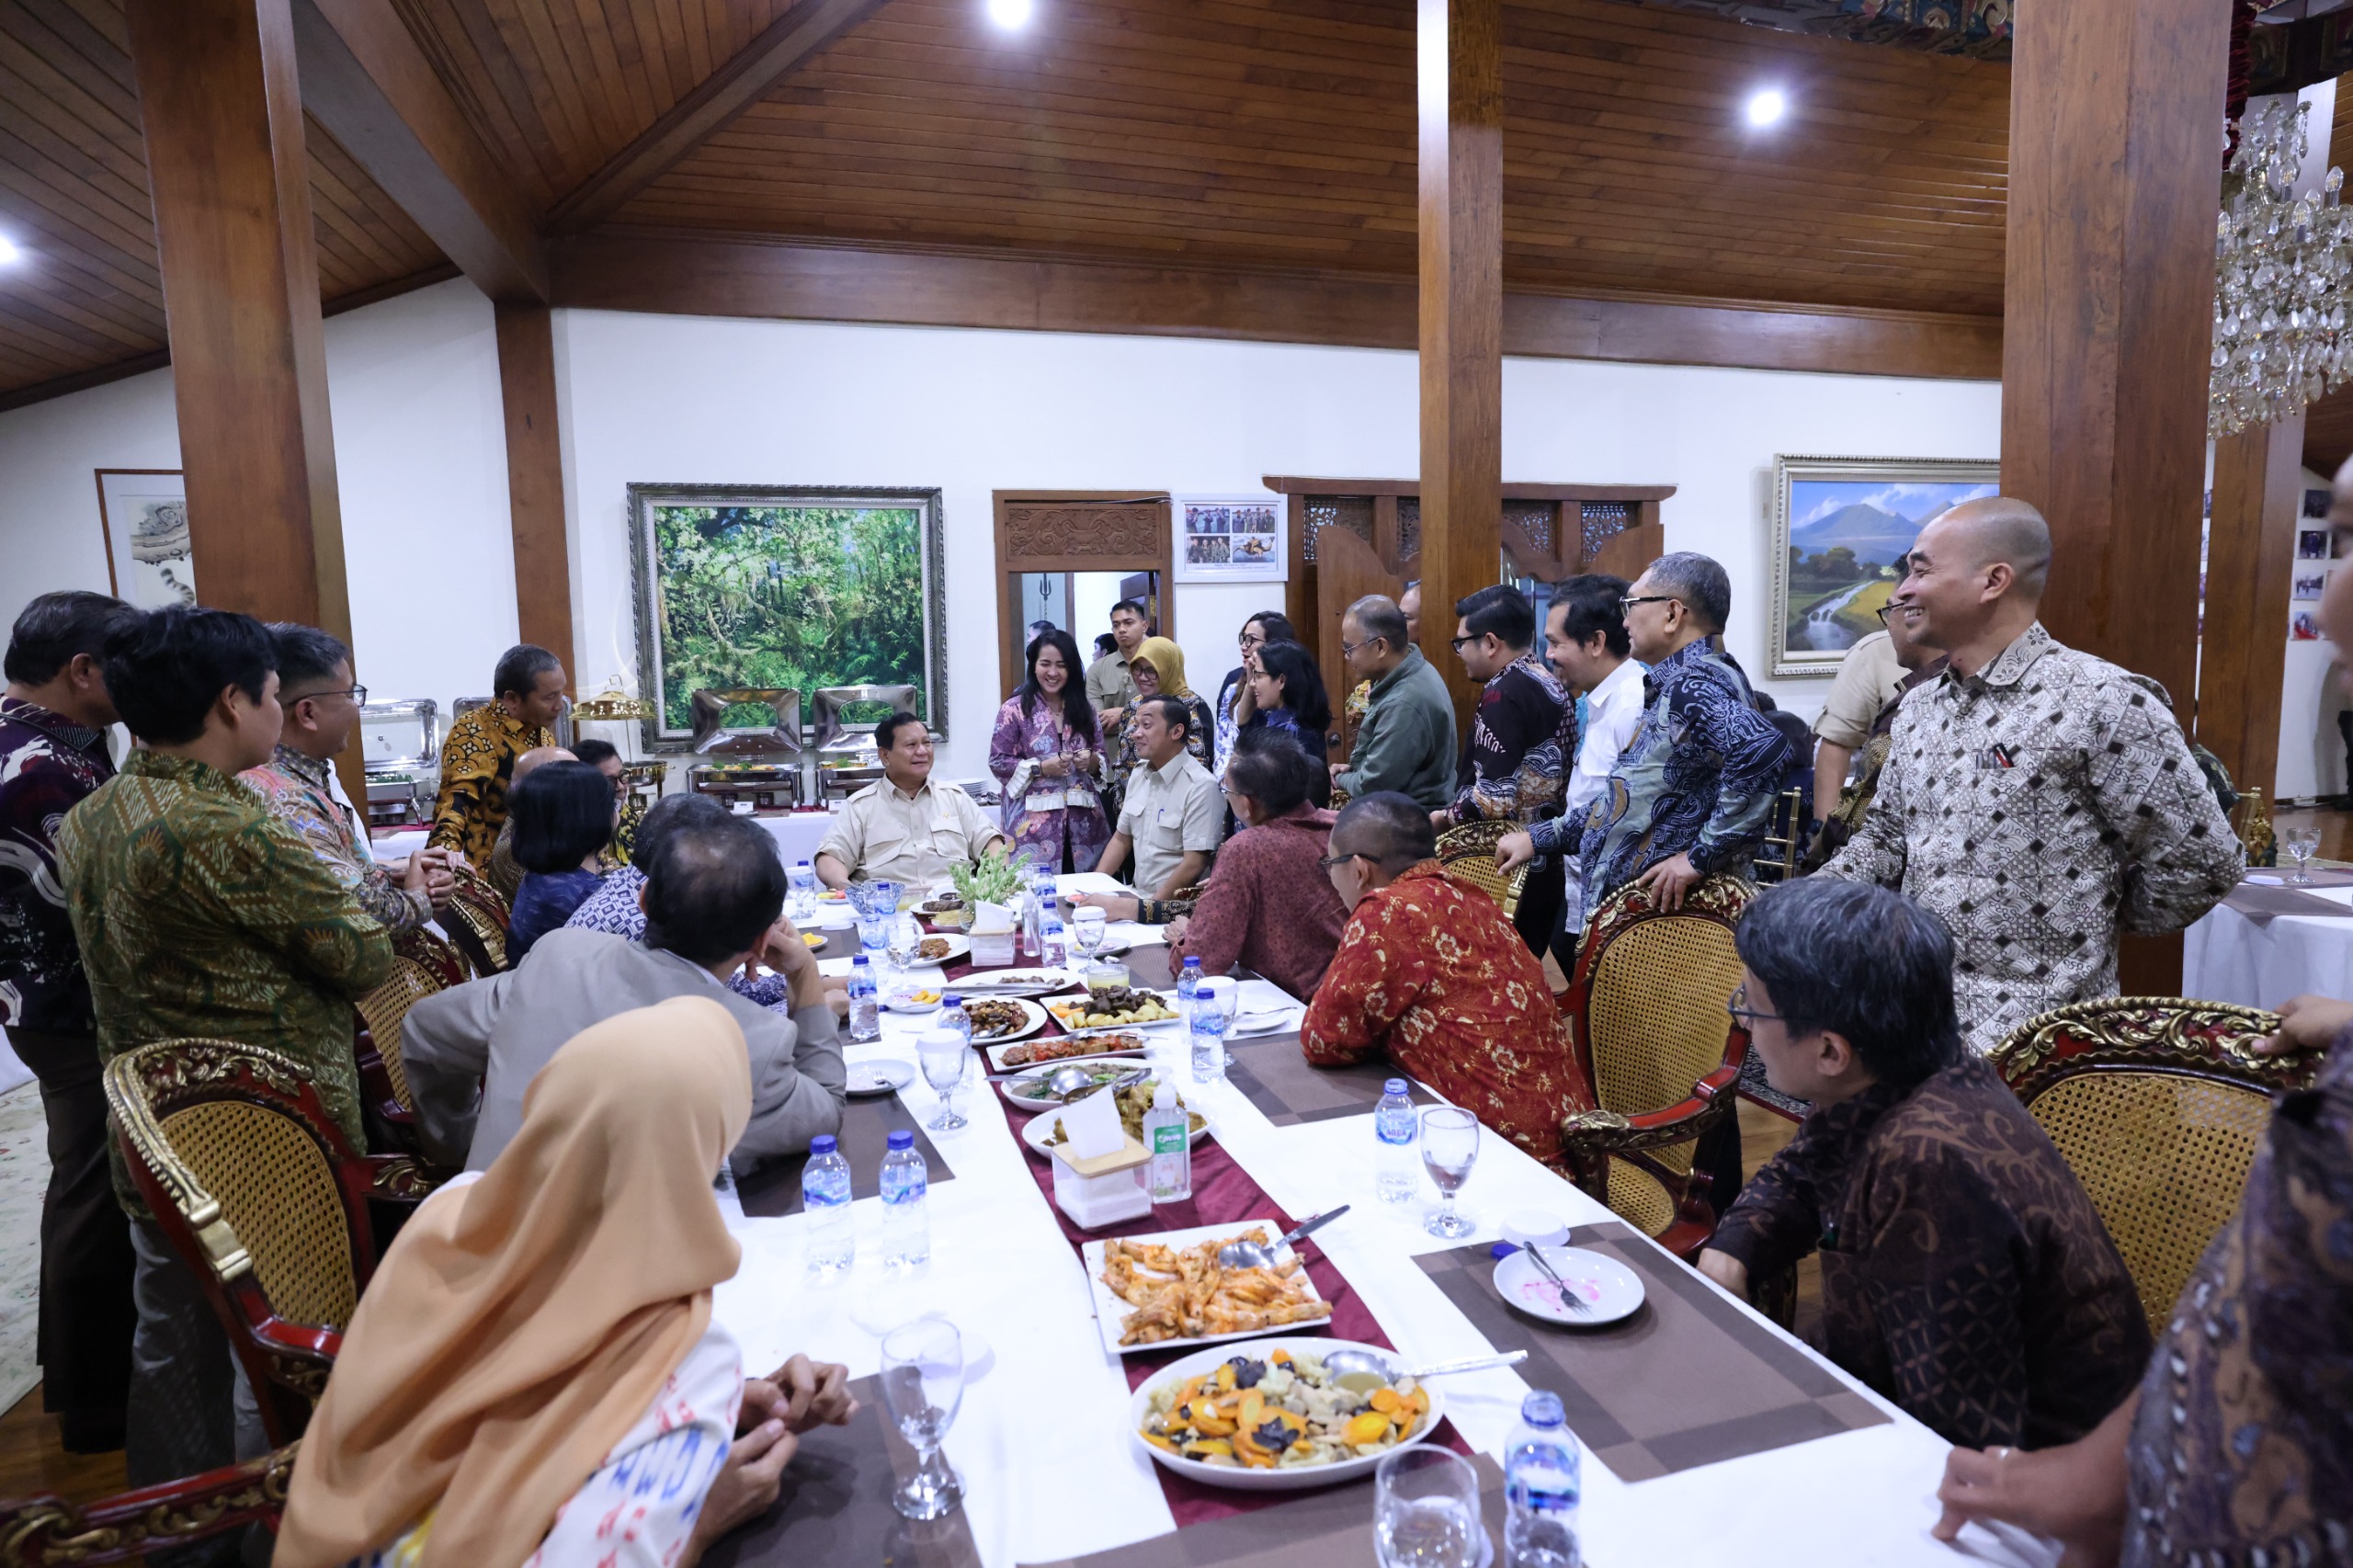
(1693, 790)
(322, 706)
(1406, 741)
(1838, 813)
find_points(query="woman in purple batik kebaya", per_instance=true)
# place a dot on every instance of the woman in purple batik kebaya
(1047, 756)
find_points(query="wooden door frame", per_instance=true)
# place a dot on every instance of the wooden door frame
(1076, 552)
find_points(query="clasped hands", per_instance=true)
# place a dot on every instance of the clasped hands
(797, 1397)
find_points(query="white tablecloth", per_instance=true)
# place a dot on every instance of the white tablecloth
(2228, 958)
(1041, 1441)
(797, 833)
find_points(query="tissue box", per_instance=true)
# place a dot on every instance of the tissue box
(1105, 1190)
(994, 934)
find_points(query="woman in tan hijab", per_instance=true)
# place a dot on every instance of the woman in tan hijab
(539, 1341)
(1157, 666)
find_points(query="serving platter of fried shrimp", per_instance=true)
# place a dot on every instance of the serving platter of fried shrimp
(1151, 1292)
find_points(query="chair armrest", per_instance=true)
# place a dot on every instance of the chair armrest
(400, 1177)
(1607, 1132)
(46, 1528)
(300, 1355)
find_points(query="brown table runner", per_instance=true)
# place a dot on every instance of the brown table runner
(836, 1505)
(1689, 1379)
(774, 1189)
(1274, 1075)
(1331, 1529)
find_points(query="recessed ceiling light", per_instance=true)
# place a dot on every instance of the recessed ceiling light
(1010, 14)
(1765, 108)
(9, 253)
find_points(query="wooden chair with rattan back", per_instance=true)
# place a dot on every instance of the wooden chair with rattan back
(1467, 854)
(2158, 1104)
(423, 964)
(45, 1531)
(477, 921)
(1658, 1053)
(264, 1199)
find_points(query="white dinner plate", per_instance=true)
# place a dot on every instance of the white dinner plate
(997, 1063)
(1275, 1020)
(958, 945)
(1120, 1066)
(1034, 1019)
(883, 1075)
(1110, 1309)
(1042, 1127)
(1017, 983)
(1610, 1290)
(908, 1003)
(1291, 1480)
(1059, 1004)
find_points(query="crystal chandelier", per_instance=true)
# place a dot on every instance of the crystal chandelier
(2284, 272)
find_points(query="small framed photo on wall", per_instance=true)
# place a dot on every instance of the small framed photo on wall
(2309, 585)
(1229, 539)
(144, 512)
(2304, 627)
(2312, 544)
(2316, 503)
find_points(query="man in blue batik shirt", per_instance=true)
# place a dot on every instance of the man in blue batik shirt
(1693, 790)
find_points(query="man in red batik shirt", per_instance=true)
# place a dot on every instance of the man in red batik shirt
(1431, 973)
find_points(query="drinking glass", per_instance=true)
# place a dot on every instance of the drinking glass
(1426, 1510)
(2301, 844)
(944, 1066)
(873, 933)
(1450, 1148)
(922, 1382)
(1087, 928)
(905, 936)
(803, 883)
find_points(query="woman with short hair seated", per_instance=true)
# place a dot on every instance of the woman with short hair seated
(1268, 906)
(564, 816)
(539, 1341)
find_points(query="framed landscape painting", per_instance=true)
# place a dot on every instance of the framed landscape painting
(1841, 528)
(768, 587)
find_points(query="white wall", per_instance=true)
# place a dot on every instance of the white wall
(420, 450)
(421, 463)
(2312, 749)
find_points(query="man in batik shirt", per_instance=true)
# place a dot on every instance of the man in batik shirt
(53, 754)
(478, 759)
(322, 702)
(200, 916)
(2037, 797)
(1431, 974)
(1522, 741)
(1693, 790)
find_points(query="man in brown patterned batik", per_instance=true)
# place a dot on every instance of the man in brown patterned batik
(1965, 1273)
(478, 758)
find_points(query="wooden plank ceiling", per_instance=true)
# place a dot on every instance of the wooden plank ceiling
(1260, 133)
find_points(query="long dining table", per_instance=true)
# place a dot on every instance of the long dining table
(1712, 1437)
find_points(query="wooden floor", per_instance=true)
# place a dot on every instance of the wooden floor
(31, 1460)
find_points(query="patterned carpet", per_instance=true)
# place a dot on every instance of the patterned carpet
(24, 1176)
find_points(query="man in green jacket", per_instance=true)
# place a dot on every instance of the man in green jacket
(1406, 741)
(200, 913)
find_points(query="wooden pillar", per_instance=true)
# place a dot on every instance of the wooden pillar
(535, 481)
(2259, 492)
(1462, 158)
(230, 179)
(2116, 163)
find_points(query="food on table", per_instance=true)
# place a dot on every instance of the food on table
(1189, 1294)
(1112, 1006)
(942, 903)
(917, 998)
(1133, 1101)
(833, 895)
(1066, 1049)
(1282, 1413)
(932, 948)
(991, 1019)
(814, 938)
(1037, 1086)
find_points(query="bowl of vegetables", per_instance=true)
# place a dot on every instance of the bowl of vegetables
(1267, 1416)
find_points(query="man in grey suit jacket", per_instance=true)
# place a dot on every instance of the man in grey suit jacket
(712, 896)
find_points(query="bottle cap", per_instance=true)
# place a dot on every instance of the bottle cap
(821, 1145)
(858, 961)
(798, 864)
(1396, 1086)
(1191, 961)
(904, 1138)
(1542, 1408)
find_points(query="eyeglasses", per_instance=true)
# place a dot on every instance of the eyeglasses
(1456, 642)
(1626, 605)
(1885, 610)
(1328, 862)
(1250, 640)
(1745, 1016)
(357, 694)
(1347, 648)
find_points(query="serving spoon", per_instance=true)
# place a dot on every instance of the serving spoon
(1244, 1253)
(1342, 1363)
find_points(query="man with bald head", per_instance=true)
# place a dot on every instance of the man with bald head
(505, 872)
(2037, 797)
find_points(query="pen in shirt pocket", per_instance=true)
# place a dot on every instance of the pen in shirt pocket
(1999, 757)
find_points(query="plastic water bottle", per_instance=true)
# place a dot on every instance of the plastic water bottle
(802, 881)
(825, 1198)
(1400, 1169)
(1543, 1477)
(1188, 985)
(953, 1016)
(1032, 915)
(1206, 1028)
(1168, 1134)
(906, 1227)
(1053, 947)
(865, 1006)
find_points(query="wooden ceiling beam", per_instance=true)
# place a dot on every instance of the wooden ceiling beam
(720, 275)
(799, 35)
(365, 79)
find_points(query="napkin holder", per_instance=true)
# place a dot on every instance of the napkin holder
(1105, 1190)
(994, 934)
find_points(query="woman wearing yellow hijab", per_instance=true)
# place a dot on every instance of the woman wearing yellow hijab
(540, 1340)
(1157, 666)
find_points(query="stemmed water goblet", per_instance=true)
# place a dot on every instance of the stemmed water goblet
(1450, 1148)
(905, 937)
(2301, 844)
(922, 1382)
(944, 1054)
(1086, 923)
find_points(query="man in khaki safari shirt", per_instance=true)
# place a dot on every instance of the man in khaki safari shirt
(907, 828)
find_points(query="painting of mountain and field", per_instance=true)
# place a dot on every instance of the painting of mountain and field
(1842, 528)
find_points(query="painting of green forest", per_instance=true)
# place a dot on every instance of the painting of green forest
(797, 589)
